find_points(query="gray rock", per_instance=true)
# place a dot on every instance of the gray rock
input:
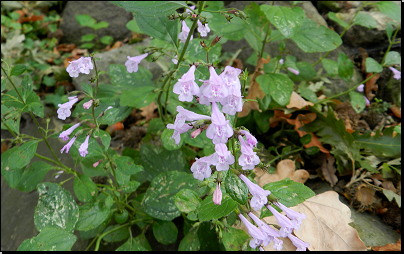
(116, 17)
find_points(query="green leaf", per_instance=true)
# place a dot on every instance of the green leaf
(286, 20)
(107, 40)
(234, 239)
(85, 189)
(87, 37)
(392, 58)
(150, 8)
(256, 21)
(104, 136)
(168, 160)
(85, 20)
(391, 194)
(132, 26)
(187, 200)
(358, 101)
(34, 104)
(345, 67)
(190, 242)
(92, 216)
(139, 243)
(18, 70)
(13, 125)
(312, 150)
(126, 166)
(363, 19)
(87, 89)
(159, 198)
(372, 65)
(380, 145)
(49, 81)
(168, 142)
(87, 45)
(159, 27)
(114, 115)
(27, 84)
(116, 236)
(288, 192)
(165, 232)
(330, 66)
(233, 30)
(306, 139)
(208, 238)
(306, 72)
(33, 175)
(130, 187)
(279, 86)
(12, 177)
(334, 17)
(312, 38)
(101, 24)
(49, 239)
(22, 156)
(390, 9)
(122, 79)
(332, 131)
(236, 188)
(308, 94)
(196, 53)
(138, 97)
(210, 211)
(262, 119)
(56, 207)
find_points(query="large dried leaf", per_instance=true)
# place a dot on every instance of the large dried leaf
(284, 169)
(326, 226)
(296, 101)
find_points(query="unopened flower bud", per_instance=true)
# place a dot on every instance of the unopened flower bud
(203, 44)
(195, 133)
(96, 163)
(216, 40)
(217, 195)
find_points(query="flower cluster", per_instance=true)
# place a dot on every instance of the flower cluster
(81, 65)
(202, 29)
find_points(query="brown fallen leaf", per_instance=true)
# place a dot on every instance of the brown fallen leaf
(278, 116)
(284, 169)
(389, 247)
(296, 101)
(148, 111)
(326, 227)
(396, 111)
(371, 85)
(328, 170)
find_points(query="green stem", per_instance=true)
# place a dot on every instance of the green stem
(391, 43)
(283, 155)
(8, 128)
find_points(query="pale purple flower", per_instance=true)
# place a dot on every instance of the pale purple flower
(259, 198)
(258, 236)
(64, 109)
(219, 130)
(300, 245)
(65, 134)
(86, 65)
(367, 101)
(217, 195)
(191, 7)
(68, 145)
(293, 215)
(271, 233)
(196, 133)
(296, 72)
(397, 74)
(178, 130)
(175, 59)
(248, 158)
(281, 61)
(287, 225)
(201, 168)
(186, 86)
(360, 88)
(133, 62)
(216, 90)
(109, 107)
(202, 98)
(83, 148)
(87, 104)
(203, 29)
(222, 157)
(251, 140)
(232, 104)
(58, 174)
(231, 80)
(184, 33)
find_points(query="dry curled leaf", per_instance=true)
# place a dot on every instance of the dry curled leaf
(396, 111)
(326, 226)
(371, 85)
(389, 247)
(328, 170)
(296, 101)
(284, 169)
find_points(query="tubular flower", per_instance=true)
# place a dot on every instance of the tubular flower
(216, 91)
(287, 225)
(258, 237)
(186, 87)
(83, 148)
(232, 103)
(64, 109)
(87, 104)
(259, 198)
(86, 65)
(132, 64)
(219, 130)
(397, 74)
(203, 29)
(296, 72)
(184, 33)
(68, 145)
(202, 99)
(248, 158)
(300, 245)
(81, 65)
(271, 233)
(294, 216)
(251, 140)
(231, 80)
(201, 168)
(217, 195)
(360, 88)
(65, 134)
(222, 158)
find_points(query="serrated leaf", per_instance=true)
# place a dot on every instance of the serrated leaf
(121, 78)
(85, 189)
(13, 125)
(33, 175)
(233, 30)
(211, 211)
(165, 232)
(234, 239)
(159, 198)
(285, 19)
(236, 188)
(126, 166)
(130, 187)
(151, 8)
(330, 66)
(49, 239)
(279, 86)
(91, 216)
(56, 208)
(159, 27)
(18, 70)
(104, 136)
(22, 156)
(186, 200)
